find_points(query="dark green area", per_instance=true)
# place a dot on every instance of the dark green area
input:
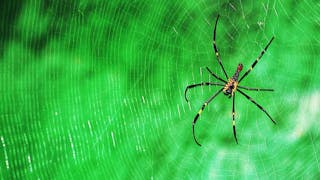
(93, 89)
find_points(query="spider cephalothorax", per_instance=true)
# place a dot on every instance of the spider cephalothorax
(229, 87)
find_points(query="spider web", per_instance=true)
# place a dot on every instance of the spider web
(95, 89)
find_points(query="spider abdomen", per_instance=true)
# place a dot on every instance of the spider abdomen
(232, 83)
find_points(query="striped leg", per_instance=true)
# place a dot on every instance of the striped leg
(199, 113)
(216, 76)
(254, 89)
(233, 121)
(260, 107)
(256, 61)
(216, 49)
(200, 84)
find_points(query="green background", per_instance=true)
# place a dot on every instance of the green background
(93, 89)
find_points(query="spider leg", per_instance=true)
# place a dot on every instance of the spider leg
(256, 61)
(233, 121)
(216, 76)
(216, 49)
(254, 89)
(200, 84)
(260, 107)
(199, 113)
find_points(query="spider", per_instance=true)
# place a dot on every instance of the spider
(228, 87)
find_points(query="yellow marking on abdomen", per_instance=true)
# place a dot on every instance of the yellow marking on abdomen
(200, 111)
(233, 123)
(251, 68)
